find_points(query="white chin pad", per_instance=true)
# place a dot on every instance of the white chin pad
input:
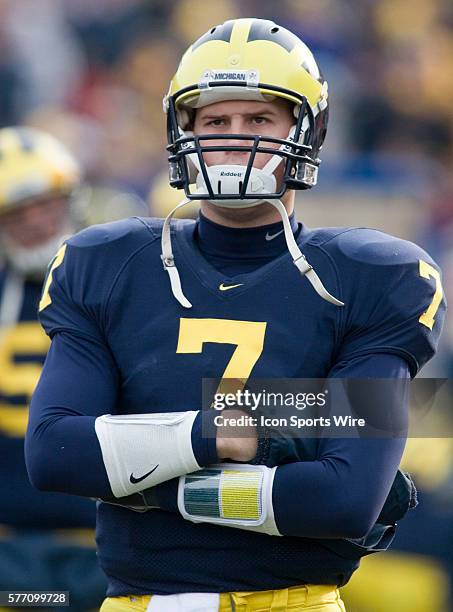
(228, 180)
(142, 450)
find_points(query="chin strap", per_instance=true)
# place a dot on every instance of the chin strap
(168, 258)
(299, 258)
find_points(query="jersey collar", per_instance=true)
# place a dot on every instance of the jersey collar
(264, 242)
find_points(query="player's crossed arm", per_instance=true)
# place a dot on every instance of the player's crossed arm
(338, 495)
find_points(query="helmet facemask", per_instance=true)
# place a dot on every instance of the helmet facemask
(238, 186)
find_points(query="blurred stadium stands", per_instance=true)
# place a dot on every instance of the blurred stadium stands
(93, 73)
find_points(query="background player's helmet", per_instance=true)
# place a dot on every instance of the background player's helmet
(33, 166)
(246, 59)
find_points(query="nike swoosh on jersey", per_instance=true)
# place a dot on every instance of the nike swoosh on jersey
(223, 287)
(134, 480)
(272, 236)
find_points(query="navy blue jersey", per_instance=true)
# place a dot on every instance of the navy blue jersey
(108, 303)
(23, 348)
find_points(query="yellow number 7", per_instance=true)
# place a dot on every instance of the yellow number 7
(425, 270)
(248, 336)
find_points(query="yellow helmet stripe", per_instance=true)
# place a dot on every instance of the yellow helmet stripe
(240, 34)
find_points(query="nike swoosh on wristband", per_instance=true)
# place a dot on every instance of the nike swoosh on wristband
(271, 237)
(134, 480)
(223, 287)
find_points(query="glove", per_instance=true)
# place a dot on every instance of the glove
(402, 497)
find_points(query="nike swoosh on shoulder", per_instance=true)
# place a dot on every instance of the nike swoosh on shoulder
(134, 480)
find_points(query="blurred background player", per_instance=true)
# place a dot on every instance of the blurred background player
(46, 540)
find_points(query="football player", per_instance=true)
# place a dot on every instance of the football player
(41, 543)
(139, 311)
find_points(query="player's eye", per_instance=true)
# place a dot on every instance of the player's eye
(216, 122)
(259, 120)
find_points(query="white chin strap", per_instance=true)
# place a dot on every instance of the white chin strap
(299, 259)
(169, 260)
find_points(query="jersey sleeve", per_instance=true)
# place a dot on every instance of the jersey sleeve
(81, 275)
(62, 306)
(394, 298)
(61, 447)
(78, 383)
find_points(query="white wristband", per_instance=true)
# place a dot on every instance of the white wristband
(142, 450)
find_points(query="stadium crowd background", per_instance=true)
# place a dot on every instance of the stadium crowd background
(93, 73)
